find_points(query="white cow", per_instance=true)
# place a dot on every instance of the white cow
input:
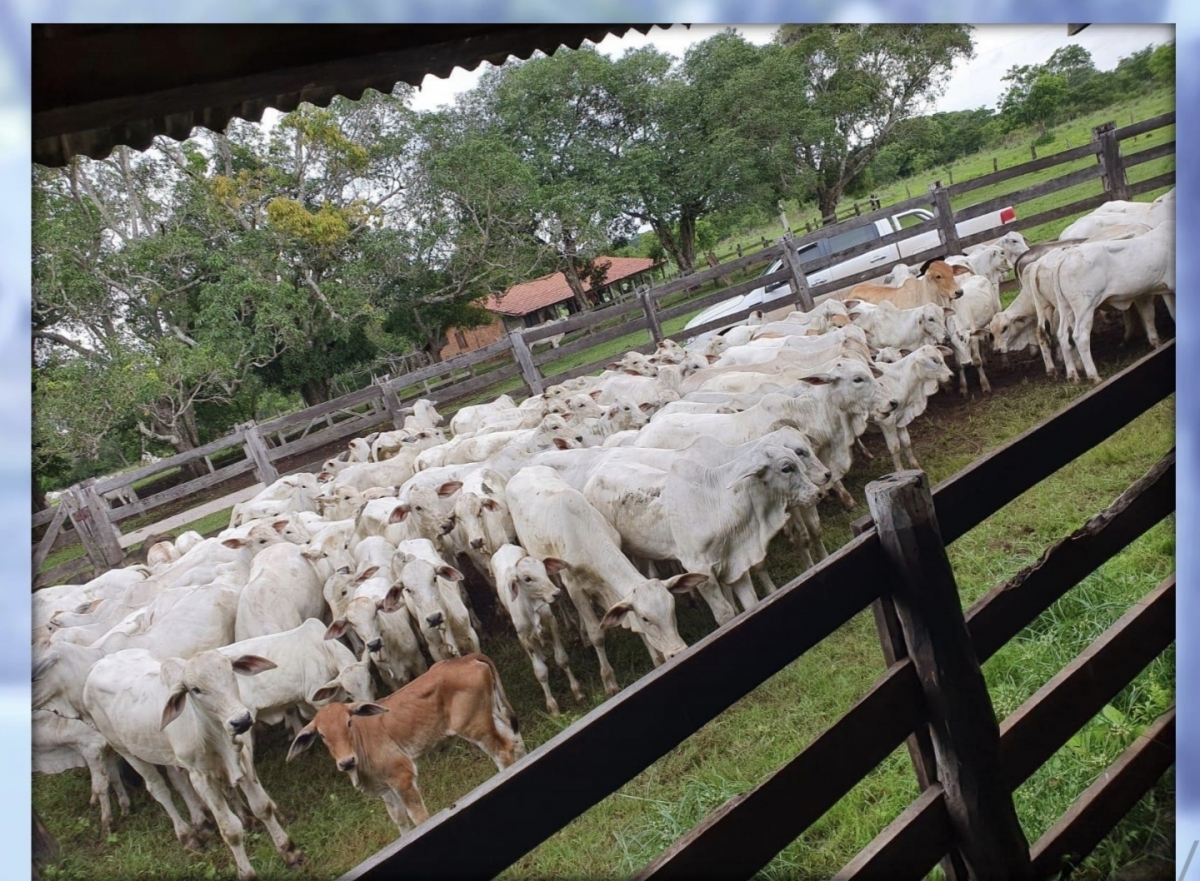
(432, 596)
(911, 381)
(554, 520)
(186, 714)
(526, 592)
(284, 591)
(967, 324)
(900, 328)
(61, 743)
(717, 521)
(469, 418)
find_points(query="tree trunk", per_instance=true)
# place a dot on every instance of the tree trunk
(45, 848)
(315, 391)
(687, 239)
(666, 238)
(576, 286)
(39, 497)
(827, 199)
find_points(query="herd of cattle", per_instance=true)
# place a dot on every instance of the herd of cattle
(664, 475)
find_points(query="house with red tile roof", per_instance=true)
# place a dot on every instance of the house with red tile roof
(531, 302)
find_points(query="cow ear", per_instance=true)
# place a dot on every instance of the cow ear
(174, 706)
(946, 353)
(449, 573)
(366, 574)
(875, 371)
(850, 304)
(87, 608)
(250, 665)
(487, 489)
(962, 270)
(327, 693)
(491, 504)
(449, 523)
(685, 583)
(757, 471)
(343, 570)
(281, 525)
(393, 600)
(947, 311)
(817, 379)
(449, 488)
(303, 741)
(631, 372)
(513, 588)
(398, 513)
(646, 406)
(554, 565)
(904, 353)
(367, 708)
(561, 443)
(615, 616)
(839, 320)
(337, 629)
(595, 395)
(171, 672)
(43, 665)
(235, 543)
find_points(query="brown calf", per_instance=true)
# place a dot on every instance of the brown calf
(378, 743)
(939, 285)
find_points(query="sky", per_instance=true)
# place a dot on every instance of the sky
(977, 84)
(974, 83)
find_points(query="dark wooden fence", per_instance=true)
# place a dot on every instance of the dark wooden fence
(509, 364)
(932, 693)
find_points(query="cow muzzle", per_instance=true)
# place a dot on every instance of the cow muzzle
(347, 764)
(437, 619)
(476, 544)
(241, 724)
(958, 293)
(374, 645)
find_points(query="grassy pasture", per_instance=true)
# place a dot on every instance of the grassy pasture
(338, 827)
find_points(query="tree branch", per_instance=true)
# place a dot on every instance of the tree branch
(172, 439)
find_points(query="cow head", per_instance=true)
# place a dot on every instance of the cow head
(206, 679)
(333, 725)
(352, 683)
(649, 609)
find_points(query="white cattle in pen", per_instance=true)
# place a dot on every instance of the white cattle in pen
(526, 592)
(284, 499)
(553, 430)
(555, 520)
(1160, 211)
(186, 714)
(1012, 328)
(991, 262)
(180, 621)
(967, 325)
(50, 601)
(821, 347)
(378, 616)
(910, 381)
(469, 418)
(60, 743)
(283, 592)
(340, 503)
(432, 596)
(390, 472)
(621, 416)
(898, 275)
(422, 416)
(886, 325)
(1115, 273)
(482, 522)
(717, 520)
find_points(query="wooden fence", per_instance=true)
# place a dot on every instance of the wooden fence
(932, 693)
(257, 448)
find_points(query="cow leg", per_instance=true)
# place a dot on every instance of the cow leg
(862, 449)
(227, 822)
(98, 769)
(541, 673)
(977, 354)
(962, 380)
(268, 814)
(404, 783)
(1064, 343)
(114, 777)
(721, 604)
(560, 658)
(743, 588)
(843, 495)
(195, 805)
(595, 635)
(799, 538)
(161, 793)
(1145, 309)
(1169, 299)
(812, 525)
(764, 578)
(1043, 341)
(395, 809)
(1130, 327)
(1083, 339)
(906, 446)
(892, 436)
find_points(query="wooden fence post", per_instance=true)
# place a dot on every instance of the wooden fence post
(89, 515)
(945, 217)
(1032, 151)
(256, 449)
(650, 307)
(529, 371)
(966, 736)
(1109, 156)
(995, 164)
(52, 530)
(390, 392)
(798, 281)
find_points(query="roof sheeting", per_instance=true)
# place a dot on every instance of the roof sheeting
(99, 86)
(529, 296)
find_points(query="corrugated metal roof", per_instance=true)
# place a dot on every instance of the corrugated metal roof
(529, 296)
(99, 86)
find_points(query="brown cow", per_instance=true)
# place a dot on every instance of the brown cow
(378, 743)
(939, 284)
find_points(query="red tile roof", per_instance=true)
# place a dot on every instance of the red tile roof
(529, 296)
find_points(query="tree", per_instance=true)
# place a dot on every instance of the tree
(824, 98)
(1033, 97)
(1162, 64)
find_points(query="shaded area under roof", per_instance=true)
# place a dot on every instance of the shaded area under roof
(99, 86)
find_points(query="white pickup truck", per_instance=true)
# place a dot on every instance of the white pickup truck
(883, 258)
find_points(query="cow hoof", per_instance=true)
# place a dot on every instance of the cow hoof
(552, 709)
(294, 857)
(248, 875)
(191, 841)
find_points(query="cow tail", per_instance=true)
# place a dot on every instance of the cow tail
(503, 707)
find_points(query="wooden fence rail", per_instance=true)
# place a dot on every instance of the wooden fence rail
(965, 807)
(381, 406)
